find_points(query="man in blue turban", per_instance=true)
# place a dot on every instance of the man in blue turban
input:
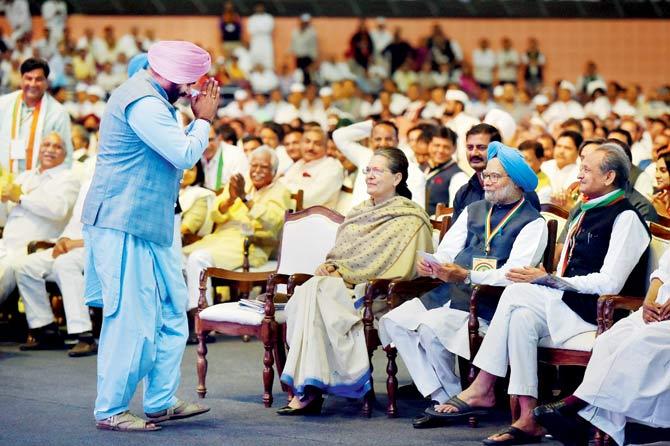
(488, 238)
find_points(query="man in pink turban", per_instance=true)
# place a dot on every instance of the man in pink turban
(132, 270)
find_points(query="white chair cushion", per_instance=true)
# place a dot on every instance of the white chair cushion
(232, 312)
(583, 342)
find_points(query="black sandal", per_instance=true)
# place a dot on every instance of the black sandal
(464, 410)
(517, 436)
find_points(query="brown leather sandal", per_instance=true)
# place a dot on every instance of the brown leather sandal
(126, 422)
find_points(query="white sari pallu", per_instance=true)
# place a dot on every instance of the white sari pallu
(326, 339)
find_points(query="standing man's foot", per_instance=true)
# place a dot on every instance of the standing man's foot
(86, 346)
(181, 410)
(126, 422)
(44, 338)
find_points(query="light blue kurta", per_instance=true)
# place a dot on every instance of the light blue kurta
(132, 272)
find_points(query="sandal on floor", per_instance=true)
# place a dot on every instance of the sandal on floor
(464, 410)
(517, 436)
(126, 422)
(179, 411)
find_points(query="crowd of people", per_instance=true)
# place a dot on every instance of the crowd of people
(382, 135)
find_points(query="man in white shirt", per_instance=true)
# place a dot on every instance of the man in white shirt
(483, 63)
(381, 37)
(263, 80)
(63, 264)
(42, 199)
(605, 253)
(381, 134)
(290, 110)
(565, 107)
(54, 14)
(429, 331)
(319, 176)
(460, 122)
(304, 46)
(259, 27)
(18, 16)
(222, 158)
(27, 115)
(508, 63)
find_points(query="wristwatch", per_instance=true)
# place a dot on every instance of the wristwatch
(467, 280)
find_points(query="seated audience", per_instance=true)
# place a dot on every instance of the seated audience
(378, 238)
(606, 252)
(316, 174)
(443, 176)
(40, 201)
(64, 264)
(478, 139)
(627, 377)
(222, 158)
(533, 152)
(638, 177)
(562, 170)
(293, 143)
(247, 206)
(380, 134)
(429, 331)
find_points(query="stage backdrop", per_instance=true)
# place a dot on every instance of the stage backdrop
(626, 50)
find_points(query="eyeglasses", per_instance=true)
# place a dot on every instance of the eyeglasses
(374, 171)
(493, 177)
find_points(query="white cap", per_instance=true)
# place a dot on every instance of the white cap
(498, 91)
(457, 95)
(540, 99)
(81, 88)
(96, 90)
(305, 17)
(325, 91)
(241, 95)
(567, 85)
(595, 85)
(297, 88)
(503, 121)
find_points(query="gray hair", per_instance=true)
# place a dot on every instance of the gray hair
(617, 161)
(261, 150)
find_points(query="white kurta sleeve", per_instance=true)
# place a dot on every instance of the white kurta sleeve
(527, 250)
(454, 240)
(662, 273)
(628, 241)
(345, 139)
(155, 125)
(55, 201)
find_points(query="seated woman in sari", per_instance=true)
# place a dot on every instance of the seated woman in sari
(378, 239)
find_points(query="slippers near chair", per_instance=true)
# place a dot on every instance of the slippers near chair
(516, 436)
(464, 410)
(179, 411)
(126, 422)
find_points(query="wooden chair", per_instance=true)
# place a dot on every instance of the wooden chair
(307, 237)
(664, 221)
(375, 289)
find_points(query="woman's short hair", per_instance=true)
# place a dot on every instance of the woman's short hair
(274, 160)
(397, 163)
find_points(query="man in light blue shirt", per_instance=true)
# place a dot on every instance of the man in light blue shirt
(131, 269)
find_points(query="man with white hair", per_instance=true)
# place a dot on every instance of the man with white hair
(538, 305)
(40, 200)
(565, 106)
(460, 122)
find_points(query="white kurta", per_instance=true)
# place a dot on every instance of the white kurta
(560, 111)
(560, 178)
(428, 340)
(234, 161)
(260, 27)
(320, 181)
(526, 312)
(346, 140)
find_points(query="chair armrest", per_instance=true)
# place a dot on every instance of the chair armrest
(39, 245)
(296, 280)
(233, 276)
(401, 290)
(607, 304)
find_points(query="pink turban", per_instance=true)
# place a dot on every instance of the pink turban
(179, 61)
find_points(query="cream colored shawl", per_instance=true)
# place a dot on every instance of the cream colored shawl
(372, 237)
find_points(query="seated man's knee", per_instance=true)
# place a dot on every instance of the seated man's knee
(201, 257)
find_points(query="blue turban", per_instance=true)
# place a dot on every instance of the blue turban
(514, 164)
(137, 62)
